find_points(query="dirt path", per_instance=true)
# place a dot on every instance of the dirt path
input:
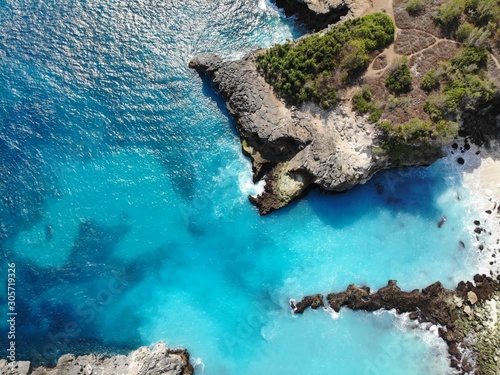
(495, 60)
(385, 6)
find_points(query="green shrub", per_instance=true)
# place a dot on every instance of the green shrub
(466, 85)
(317, 66)
(414, 7)
(464, 31)
(397, 102)
(430, 81)
(361, 103)
(449, 13)
(400, 79)
(479, 37)
(416, 139)
(355, 58)
(470, 58)
(437, 107)
(482, 20)
(375, 114)
(486, 11)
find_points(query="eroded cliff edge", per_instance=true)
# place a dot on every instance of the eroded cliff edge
(158, 360)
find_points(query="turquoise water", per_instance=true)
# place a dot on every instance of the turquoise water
(124, 204)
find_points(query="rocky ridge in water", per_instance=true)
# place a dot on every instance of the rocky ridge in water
(468, 316)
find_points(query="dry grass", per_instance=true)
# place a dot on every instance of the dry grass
(412, 41)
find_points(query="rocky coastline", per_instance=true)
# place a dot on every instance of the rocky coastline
(467, 316)
(158, 360)
(316, 15)
(295, 148)
(292, 148)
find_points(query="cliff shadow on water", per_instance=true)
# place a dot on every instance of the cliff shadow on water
(411, 191)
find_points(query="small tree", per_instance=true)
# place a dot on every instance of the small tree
(463, 31)
(430, 81)
(450, 12)
(400, 79)
(414, 7)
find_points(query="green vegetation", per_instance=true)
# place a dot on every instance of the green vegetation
(362, 104)
(399, 79)
(315, 67)
(415, 138)
(449, 13)
(397, 102)
(430, 81)
(483, 11)
(461, 84)
(464, 31)
(465, 85)
(474, 21)
(414, 7)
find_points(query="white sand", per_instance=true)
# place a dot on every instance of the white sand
(481, 176)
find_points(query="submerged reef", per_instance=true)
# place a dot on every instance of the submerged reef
(468, 316)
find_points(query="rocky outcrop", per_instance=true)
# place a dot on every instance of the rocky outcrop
(144, 361)
(316, 14)
(295, 148)
(292, 148)
(468, 315)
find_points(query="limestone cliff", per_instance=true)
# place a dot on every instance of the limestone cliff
(294, 148)
(159, 360)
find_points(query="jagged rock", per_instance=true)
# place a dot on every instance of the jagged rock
(14, 368)
(144, 361)
(472, 297)
(313, 302)
(316, 14)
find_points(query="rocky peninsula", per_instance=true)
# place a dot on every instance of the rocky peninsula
(467, 316)
(292, 148)
(144, 361)
(374, 122)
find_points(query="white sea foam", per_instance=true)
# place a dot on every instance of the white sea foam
(427, 333)
(271, 7)
(198, 365)
(334, 315)
(263, 4)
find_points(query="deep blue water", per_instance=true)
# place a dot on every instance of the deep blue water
(124, 204)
